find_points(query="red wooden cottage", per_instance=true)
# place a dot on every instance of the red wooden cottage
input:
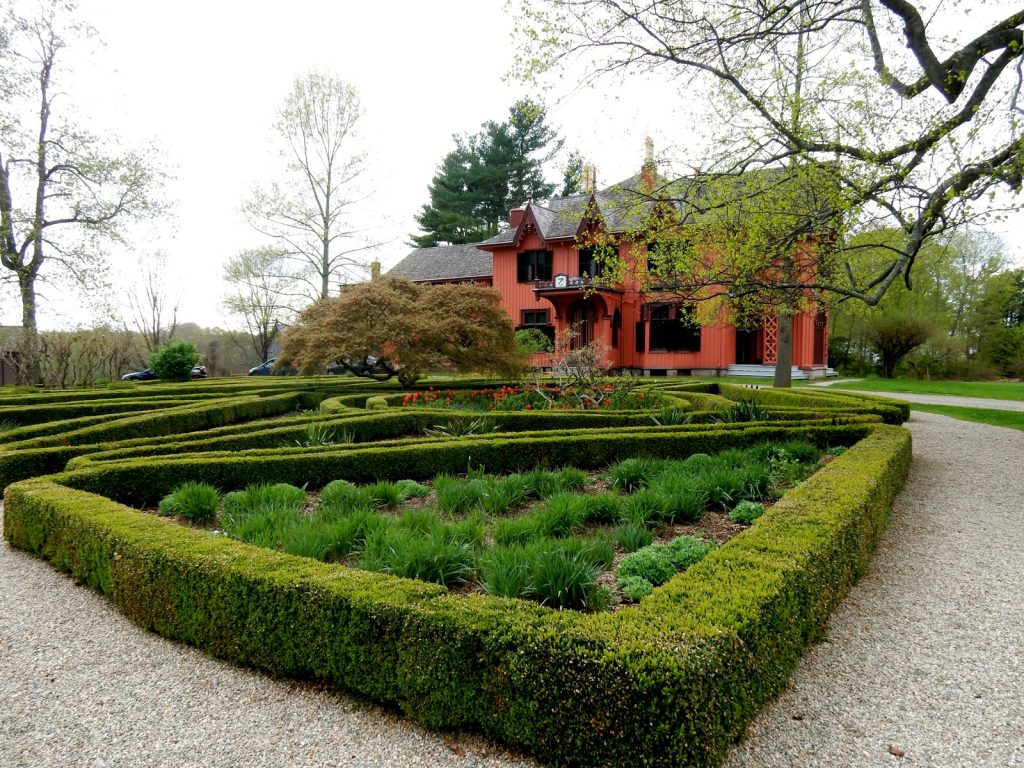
(547, 281)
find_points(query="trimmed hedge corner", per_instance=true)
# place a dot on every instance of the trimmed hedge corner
(669, 682)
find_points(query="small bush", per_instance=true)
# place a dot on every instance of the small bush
(746, 512)
(672, 416)
(460, 428)
(196, 502)
(264, 528)
(174, 361)
(685, 551)
(635, 588)
(652, 563)
(410, 489)
(307, 538)
(322, 434)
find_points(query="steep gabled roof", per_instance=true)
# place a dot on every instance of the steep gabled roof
(445, 262)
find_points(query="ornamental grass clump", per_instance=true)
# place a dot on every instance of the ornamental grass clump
(631, 474)
(264, 497)
(340, 498)
(559, 573)
(503, 494)
(632, 536)
(434, 557)
(456, 496)
(196, 502)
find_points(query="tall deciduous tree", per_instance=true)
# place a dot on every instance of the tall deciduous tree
(308, 212)
(915, 127)
(396, 327)
(486, 175)
(259, 283)
(153, 301)
(61, 192)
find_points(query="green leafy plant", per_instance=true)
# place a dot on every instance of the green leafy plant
(196, 502)
(746, 410)
(746, 512)
(318, 434)
(635, 588)
(530, 341)
(652, 563)
(410, 489)
(671, 416)
(461, 428)
(174, 361)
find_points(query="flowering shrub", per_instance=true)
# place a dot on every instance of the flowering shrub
(517, 398)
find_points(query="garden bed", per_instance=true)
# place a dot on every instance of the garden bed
(668, 681)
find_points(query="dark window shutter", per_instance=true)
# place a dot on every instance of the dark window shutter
(640, 327)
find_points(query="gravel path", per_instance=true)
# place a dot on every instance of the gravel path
(965, 402)
(80, 685)
(926, 655)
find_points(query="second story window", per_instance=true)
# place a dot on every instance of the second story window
(590, 264)
(534, 265)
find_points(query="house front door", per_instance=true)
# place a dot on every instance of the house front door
(746, 347)
(582, 317)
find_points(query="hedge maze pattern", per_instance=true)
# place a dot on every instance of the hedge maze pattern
(670, 681)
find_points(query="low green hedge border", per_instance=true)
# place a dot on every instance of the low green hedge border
(670, 682)
(143, 481)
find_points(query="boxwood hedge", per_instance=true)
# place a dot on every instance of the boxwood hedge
(669, 682)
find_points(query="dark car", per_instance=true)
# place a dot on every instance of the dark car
(268, 369)
(147, 375)
(198, 372)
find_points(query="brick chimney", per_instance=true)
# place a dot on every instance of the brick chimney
(648, 171)
(589, 179)
(515, 217)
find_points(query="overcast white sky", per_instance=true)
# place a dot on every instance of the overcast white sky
(203, 80)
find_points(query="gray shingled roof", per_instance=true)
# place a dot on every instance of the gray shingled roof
(624, 207)
(444, 262)
(621, 206)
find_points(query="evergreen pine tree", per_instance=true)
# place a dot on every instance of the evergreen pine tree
(487, 174)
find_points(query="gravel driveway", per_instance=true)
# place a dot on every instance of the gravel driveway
(925, 656)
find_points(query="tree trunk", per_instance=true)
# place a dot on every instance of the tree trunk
(29, 370)
(784, 352)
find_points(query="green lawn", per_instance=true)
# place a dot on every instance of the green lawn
(1011, 419)
(997, 390)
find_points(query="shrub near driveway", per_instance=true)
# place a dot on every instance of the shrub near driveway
(668, 682)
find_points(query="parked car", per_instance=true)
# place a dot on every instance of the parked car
(147, 375)
(198, 372)
(268, 369)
